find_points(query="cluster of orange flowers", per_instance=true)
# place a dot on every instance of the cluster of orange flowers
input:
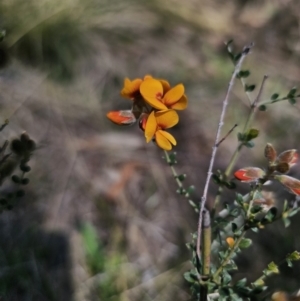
(154, 105)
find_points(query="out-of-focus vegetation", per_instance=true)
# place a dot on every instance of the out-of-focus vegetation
(63, 65)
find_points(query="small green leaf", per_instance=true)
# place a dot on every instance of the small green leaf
(229, 185)
(286, 222)
(270, 216)
(244, 73)
(289, 263)
(241, 283)
(292, 101)
(239, 198)
(251, 134)
(249, 88)
(226, 277)
(16, 179)
(240, 137)
(274, 96)
(181, 177)
(245, 243)
(262, 108)
(249, 144)
(234, 227)
(25, 181)
(237, 57)
(190, 277)
(292, 92)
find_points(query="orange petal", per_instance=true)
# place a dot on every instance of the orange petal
(148, 76)
(181, 104)
(131, 87)
(166, 119)
(168, 136)
(166, 85)
(173, 95)
(151, 127)
(162, 141)
(125, 117)
(152, 91)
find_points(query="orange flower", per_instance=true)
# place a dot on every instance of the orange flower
(249, 174)
(155, 125)
(160, 96)
(131, 89)
(125, 117)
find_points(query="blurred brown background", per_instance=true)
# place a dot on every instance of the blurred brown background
(101, 219)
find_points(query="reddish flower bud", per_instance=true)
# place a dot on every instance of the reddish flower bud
(292, 184)
(290, 157)
(249, 174)
(270, 153)
(125, 117)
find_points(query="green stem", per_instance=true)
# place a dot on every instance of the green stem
(174, 172)
(226, 260)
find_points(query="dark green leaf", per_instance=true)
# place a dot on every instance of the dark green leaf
(216, 179)
(262, 108)
(25, 181)
(230, 185)
(274, 96)
(16, 179)
(234, 227)
(249, 88)
(237, 57)
(270, 216)
(181, 177)
(292, 101)
(292, 92)
(239, 198)
(241, 283)
(244, 73)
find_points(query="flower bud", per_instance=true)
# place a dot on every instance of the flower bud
(125, 117)
(290, 157)
(270, 153)
(230, 242)
(249, 174)
(292, 184)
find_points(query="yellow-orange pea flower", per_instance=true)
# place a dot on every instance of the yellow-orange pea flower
(156, 123)
(159, 95)
(131, 88)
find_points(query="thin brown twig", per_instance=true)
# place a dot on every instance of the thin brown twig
(214, 151)
(230, 131)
